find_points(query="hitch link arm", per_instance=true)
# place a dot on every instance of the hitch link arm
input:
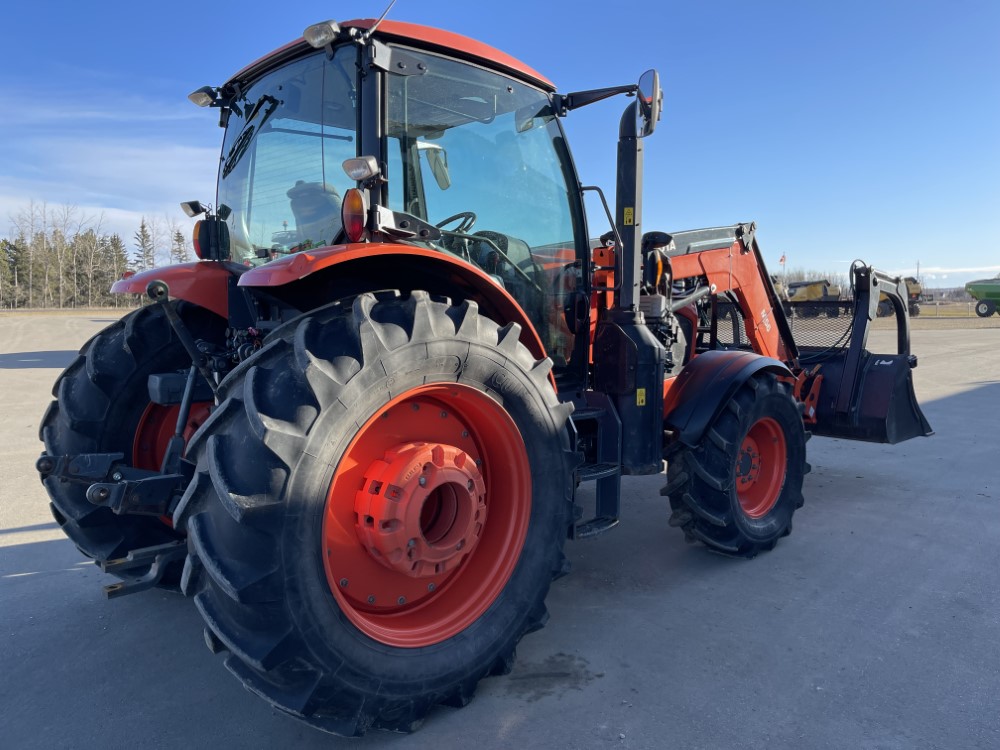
(115, 485)
(160, 294)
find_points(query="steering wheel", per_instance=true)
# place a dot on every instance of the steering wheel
(468, 220)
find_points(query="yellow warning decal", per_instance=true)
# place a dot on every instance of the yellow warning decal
(629, 218)
(640, 396)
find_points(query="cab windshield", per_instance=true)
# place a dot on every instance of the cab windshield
(281, 177)
(482, 156)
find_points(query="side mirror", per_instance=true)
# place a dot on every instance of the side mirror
(437, 158)
(650, 97)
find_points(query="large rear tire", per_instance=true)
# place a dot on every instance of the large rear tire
(737, 490)
(379, 507)
(102, 406)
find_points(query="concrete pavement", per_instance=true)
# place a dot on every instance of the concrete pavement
(876, 624)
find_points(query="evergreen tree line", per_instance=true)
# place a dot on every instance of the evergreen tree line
(55, 257)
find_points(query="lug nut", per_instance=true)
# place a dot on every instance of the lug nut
(401, 600)
(371, 599)
(422, 481)
(431, 587)
(343, 582)
(412, 543)
(117, 476)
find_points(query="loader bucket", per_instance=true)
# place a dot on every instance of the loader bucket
(883, 407)
(863, 395)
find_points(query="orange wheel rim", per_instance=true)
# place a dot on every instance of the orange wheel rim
(156, 426)
(760, 467)
(426, 515)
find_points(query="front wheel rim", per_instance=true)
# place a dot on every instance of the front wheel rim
(426, 515)
(761, 465)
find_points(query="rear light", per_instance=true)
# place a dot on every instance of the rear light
(354, 214)
(195, 239)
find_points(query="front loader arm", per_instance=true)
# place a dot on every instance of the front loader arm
(739, 268)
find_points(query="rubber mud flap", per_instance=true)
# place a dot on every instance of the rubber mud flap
(883, 407)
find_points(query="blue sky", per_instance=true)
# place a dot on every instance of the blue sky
(845, 130)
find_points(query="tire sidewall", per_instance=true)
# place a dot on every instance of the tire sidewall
(110, 392)
(777, 406)
(333, 640)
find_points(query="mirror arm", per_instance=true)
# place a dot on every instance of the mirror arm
(563, 103)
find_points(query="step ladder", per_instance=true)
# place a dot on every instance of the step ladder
(599, 438)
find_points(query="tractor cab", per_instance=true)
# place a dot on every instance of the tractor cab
(445, 156)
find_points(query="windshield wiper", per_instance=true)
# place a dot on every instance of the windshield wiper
(243, 140)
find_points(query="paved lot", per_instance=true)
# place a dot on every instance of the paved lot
(876, 624)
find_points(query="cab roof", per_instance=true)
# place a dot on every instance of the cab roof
(419, 36)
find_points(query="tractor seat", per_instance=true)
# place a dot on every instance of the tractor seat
(516, 250)
(316, 208)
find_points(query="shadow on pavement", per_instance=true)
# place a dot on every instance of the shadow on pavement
(52, 525)
(832, 635)
(57, 360)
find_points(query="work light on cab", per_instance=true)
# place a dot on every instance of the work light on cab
(321, 34)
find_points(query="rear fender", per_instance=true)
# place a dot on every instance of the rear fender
(204, 283)
(311, 279)
(700, 392)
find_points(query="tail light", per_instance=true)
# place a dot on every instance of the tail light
(354, 213)
(195, 240)
(211, 239)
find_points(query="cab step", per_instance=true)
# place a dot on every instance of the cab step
(598, 432)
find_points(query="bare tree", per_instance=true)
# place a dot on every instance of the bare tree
(93, 250)
(63, 219)
(179, 243)
(26, 225)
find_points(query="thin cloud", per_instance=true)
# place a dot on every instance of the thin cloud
(71, 110)
(122, 179)
(126, 175)
(944, 271)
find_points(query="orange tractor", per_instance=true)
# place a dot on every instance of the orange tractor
(356, 430)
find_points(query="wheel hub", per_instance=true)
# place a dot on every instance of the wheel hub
(748, 465)
(421, 509)
(760, 467)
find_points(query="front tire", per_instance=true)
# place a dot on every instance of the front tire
(379, 508)
(737, 490)
(985, 308)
